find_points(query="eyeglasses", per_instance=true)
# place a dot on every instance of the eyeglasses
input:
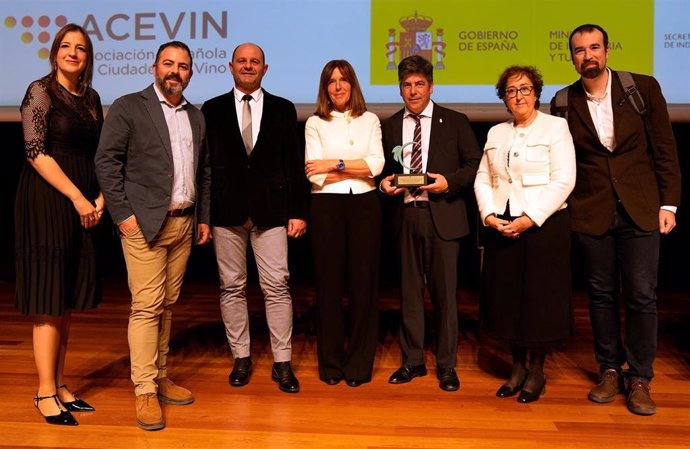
(524, 90)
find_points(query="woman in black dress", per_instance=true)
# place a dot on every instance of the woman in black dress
(524, 178)
(57, 205)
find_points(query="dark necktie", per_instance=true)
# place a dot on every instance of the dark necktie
(416, 157)
(247, 124)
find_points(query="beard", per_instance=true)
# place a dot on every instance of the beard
(171, 89)
(591, 71)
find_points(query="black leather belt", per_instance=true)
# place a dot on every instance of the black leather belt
(418, 204)
(181, 212)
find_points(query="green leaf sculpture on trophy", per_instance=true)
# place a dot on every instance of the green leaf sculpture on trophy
(410, 179)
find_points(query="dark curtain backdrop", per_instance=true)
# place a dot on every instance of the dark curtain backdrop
(672, 270)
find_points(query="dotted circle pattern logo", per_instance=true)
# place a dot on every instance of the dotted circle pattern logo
(30, 32)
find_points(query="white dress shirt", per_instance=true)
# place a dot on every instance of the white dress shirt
(182, 145)
(346, 138)
(257, 107)
(408, 136)
(601, 111)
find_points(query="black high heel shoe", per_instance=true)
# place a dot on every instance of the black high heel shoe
(65, 418)
(506, 391)
(77, 405)
(531, 396)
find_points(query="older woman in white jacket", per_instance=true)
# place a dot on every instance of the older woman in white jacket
(524, 178)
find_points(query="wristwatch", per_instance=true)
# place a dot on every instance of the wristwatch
(341, 165)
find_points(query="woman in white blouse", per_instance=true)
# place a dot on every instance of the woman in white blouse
(343, 155)
(524, 178)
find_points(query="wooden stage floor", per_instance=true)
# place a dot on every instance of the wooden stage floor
(375, 415)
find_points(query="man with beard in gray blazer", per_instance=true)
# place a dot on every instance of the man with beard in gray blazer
(153, 169)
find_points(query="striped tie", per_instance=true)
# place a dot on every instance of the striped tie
(247, 124)
(416, 157)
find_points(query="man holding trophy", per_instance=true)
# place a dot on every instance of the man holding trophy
(437, 163)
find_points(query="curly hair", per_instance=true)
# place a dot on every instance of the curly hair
(531, 72)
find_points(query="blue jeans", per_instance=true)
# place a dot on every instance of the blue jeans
(623, 260)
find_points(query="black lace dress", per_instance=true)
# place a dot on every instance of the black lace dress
(55, 256)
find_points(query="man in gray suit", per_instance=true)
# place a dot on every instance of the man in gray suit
(153, 169)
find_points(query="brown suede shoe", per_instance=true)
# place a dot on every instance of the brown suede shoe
(149, 414)
(169, 393)
(639, 400)
(608, 387)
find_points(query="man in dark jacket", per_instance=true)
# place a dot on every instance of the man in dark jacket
(626, 195)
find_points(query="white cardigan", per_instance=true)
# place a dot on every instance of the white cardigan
(540, 177)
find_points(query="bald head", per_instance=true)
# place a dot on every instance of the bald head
(250, 44)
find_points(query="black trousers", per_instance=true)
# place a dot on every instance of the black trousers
(345, 237)
(427, 260)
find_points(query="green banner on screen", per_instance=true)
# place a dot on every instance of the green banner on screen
(472, 41)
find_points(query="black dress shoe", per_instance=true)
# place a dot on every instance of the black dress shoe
(65, 418)
(353, 382)
(282, 373)
(241, 372)
(507, 391)
(332, 380)
(406, 373)
(531, 396)
(77, 405)
(447, 379)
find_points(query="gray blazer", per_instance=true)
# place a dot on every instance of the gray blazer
(134, 162)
